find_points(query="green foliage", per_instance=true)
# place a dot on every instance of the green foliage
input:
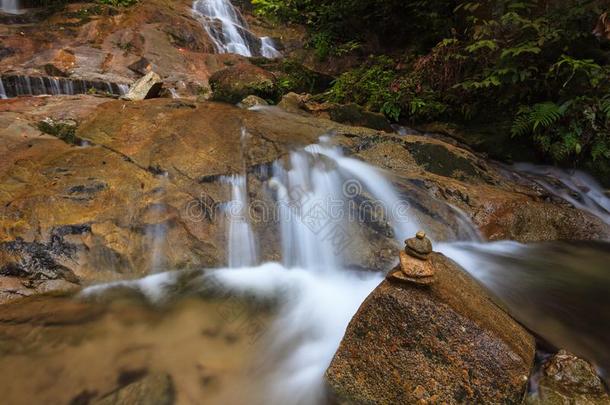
(370, 86)
(532, 64)
(352, 21)
(578, 129)
(538, 117)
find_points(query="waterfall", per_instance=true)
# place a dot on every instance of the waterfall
(241, 246)
(123, 89)
(10, 6)
(229, 31)
(2, 91)
(314, 193)
(315, 201)
(17, 85)
(268, 49)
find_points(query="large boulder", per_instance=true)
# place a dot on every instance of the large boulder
(445, 343)
(235, 83)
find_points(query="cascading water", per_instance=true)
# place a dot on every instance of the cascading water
(241, 246)
(268, 48)
(318, 294)
(577, 188)
(10, 6)
(229, 31)
(2, 91)
(558, 289)
(15, 86)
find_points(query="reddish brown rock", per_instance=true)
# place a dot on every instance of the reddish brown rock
(90, 199)
(446, 343)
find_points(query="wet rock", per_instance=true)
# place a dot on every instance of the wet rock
(414, 266)
(63, 129)
(446, 343)
(419, 247)
(567, 379)
(148, 86)
(235, 83)
(141, 66)
(152, 389)
(252, 101)
(148, 167)
(353, 114)
(293, 103)
(53, 70)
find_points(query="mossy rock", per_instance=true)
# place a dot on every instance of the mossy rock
(235, 83)
(293, 76)
(353, 114)
(62, 129)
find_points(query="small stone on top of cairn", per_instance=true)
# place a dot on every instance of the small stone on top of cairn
(414, 265)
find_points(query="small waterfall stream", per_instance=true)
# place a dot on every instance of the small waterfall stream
(241, 246)
(10, 6)
(19, 85)
(577, 188)
(2, 91)
(230, 32)
(314, 191)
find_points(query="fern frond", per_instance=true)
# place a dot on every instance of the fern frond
(543, 115)
(521, 125)
(605, 106)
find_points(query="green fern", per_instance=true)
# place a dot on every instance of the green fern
(538, 117)
(605, 106)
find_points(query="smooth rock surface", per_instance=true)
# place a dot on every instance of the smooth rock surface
(446, 343)
(148, 86)
(152, 389)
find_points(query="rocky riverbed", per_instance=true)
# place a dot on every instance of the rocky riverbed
(115, 219)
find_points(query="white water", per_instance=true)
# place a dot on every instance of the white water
(10, 6)
(230, 32)
(2, 91)
(268, 49)
(315, 310)
(318, 295)
(14, 86)
(241, 246)
(577, 188)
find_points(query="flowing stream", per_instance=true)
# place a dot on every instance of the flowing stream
(264, 333)
(229, 31)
